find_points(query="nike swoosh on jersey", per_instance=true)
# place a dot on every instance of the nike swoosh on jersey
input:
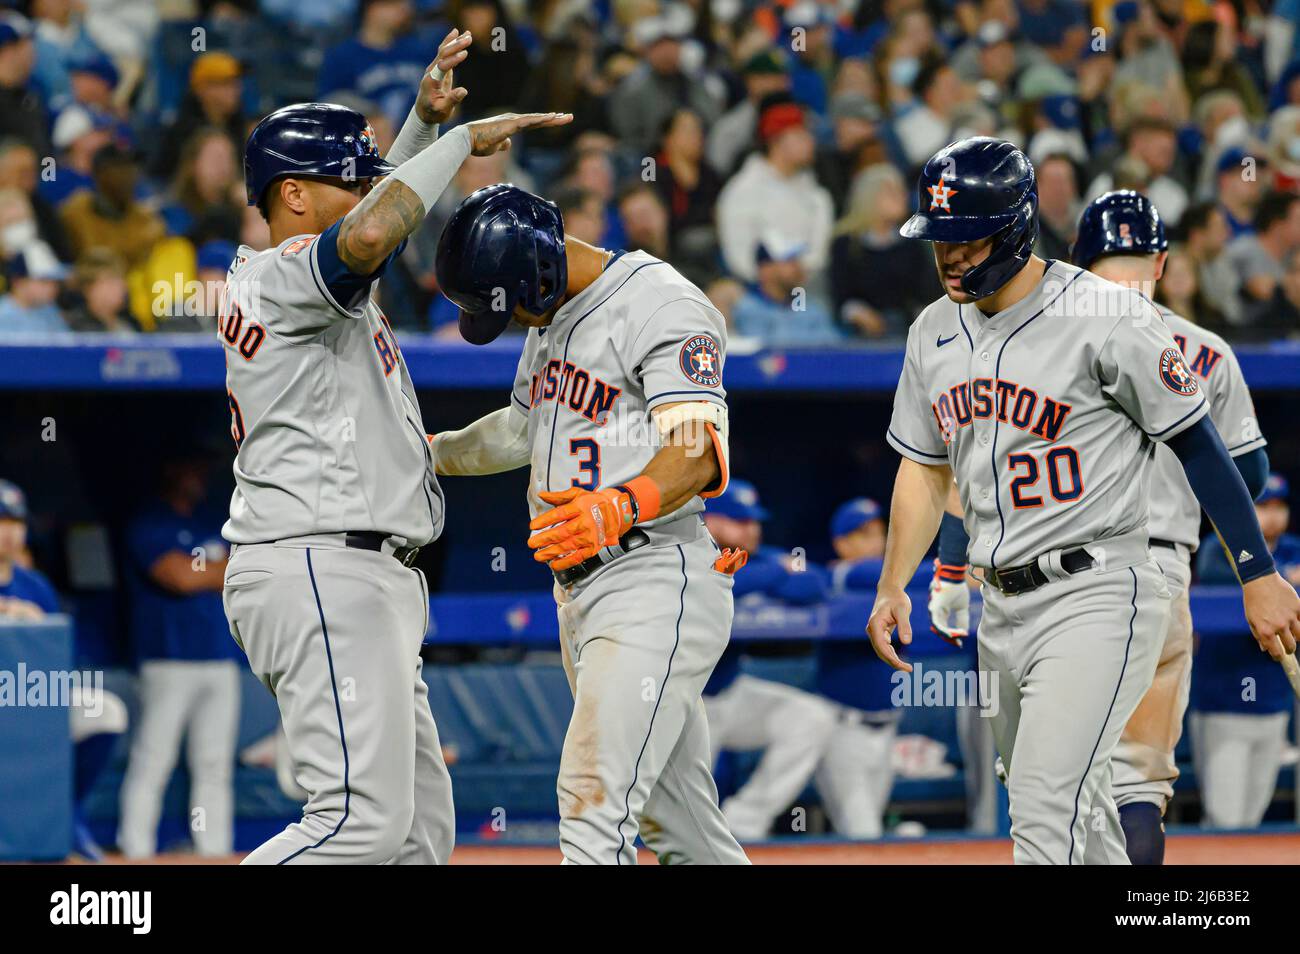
(941, 340)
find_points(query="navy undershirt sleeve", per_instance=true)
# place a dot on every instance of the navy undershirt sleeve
(1222, 493)
(346, 286)
(1253, 468)
(953, 541)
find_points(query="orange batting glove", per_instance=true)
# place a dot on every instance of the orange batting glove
(579, 524)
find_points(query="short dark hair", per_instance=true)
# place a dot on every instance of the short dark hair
(1145, 124)
(1274, 208)
(932, 64)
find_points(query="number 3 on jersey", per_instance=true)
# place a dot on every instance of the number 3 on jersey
(1064, 477)
(588, 464)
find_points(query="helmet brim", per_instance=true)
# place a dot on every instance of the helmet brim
(482, 327)
(954, 228)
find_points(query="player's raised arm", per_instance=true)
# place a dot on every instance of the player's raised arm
(395, 208)
(436, 101)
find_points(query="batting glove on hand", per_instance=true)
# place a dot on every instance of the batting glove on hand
(949, 597)
(579, 524)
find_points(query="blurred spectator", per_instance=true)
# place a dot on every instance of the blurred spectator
(777, 308)
(1282, 318)
(97, 717)
(496, 70)
(1206, 230)
(592, 170)
(1058, 206)
(856, 144)
(19, 172)
(22, 110)
(1239, 190)
(207, 195)
(188, 676)
(814, 55)
(1152, 146)
(34, 279)
(856, 772)
(928, 126)
(583, 214)
(776, 192)
(99, 281)
(1057, 26)
(643, 101)
(1210, 60)
(1240, 697)
(1258, 261)
(214, 260)
(880, 281)
(92, 79)
(1179, 290)
(746, 714)
(645, 220)
(736, 131)
(565, 80)
(687, 185)
(384, 62)
(213, 99)
(61, 39)
(109, 216)
(78, 135)
(1147, 56)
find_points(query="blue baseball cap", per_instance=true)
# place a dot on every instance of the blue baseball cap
(97, 64)
(858, 512)
(217, 253)
(13, 505)
(1275, 488)
(739, 502)
(14, 27)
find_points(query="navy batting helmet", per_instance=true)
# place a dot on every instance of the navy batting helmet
(502, 247)
(1118, 223)
(974, 189)
(311, 139)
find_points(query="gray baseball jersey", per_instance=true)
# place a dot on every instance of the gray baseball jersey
(1175, 513)
(634, 762)
(322, 408)
(639, 336)
(1048, 412)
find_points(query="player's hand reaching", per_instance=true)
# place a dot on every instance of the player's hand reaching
(949, 600)
(579, 524)
(493, 134)
(1273, 612)
(892, 609)
(439, 95)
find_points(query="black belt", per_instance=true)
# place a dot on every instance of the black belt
(374, 540)
(634, 539)
(1022, 579)
(1167, 544)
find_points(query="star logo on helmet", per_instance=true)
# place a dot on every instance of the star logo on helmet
(939, 196)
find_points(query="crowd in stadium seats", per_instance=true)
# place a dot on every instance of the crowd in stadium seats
(767, 147)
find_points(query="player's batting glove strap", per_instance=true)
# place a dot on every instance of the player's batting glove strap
(579, 525)
(949, 599)
(634, 539)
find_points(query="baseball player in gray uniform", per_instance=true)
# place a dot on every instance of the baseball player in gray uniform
(1121, 238)
(335, 490)
(1041, 389)
(619, 409)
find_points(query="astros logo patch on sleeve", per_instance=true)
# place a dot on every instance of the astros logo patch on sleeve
(1174, 373)
(701, 362)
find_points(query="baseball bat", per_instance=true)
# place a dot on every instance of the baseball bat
(1291, 666)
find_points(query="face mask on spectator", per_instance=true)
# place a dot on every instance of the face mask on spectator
(903, 70)
(17, 235)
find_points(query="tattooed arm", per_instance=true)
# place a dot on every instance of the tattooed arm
(397, 206)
